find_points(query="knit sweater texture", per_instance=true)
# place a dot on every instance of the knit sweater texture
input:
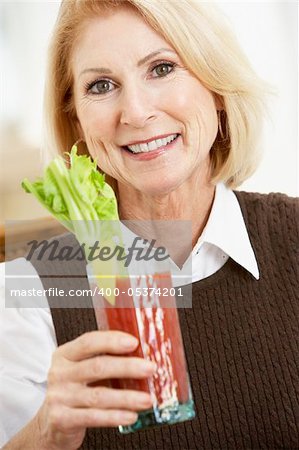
(240, 339)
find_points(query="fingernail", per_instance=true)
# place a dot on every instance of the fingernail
(129, 341)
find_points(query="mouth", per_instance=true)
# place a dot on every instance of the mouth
(153, 145)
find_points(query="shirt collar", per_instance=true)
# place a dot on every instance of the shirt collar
(226, 229)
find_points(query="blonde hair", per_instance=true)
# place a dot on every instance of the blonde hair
(206, 45)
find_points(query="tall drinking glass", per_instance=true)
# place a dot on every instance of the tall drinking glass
(144, 305)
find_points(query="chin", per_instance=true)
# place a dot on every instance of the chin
(160, 186)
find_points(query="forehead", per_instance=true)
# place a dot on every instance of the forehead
(118, 34)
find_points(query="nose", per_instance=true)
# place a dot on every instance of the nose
(136, 107)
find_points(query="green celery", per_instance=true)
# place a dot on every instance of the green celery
(78, 197)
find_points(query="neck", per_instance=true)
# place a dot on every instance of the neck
(191, 202)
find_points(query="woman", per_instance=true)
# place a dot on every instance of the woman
(163, 98)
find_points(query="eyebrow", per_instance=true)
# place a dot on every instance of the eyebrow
(106, 71)
(153, 54)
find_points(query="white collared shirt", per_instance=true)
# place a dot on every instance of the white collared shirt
(28, 337)
(224, 236)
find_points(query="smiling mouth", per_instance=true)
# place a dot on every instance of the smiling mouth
(151, 146)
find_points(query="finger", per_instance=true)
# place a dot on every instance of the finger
(97, 342)
(101, 398)
(69, 420)
(101, 368)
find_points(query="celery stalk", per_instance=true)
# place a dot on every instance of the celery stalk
(78, 197)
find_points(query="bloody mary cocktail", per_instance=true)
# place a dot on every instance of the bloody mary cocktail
(140, 311)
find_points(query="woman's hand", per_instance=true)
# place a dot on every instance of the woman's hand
(71, 405)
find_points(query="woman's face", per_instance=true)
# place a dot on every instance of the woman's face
(147, 121)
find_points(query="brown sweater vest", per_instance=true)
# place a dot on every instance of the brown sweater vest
(240, 342)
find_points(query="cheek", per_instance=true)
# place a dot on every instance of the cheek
(193, 104)
(198, 113)
(181, 99)
(202, 110)
(97, 123)
(96, 127)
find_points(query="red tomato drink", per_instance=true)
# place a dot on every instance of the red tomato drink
(138, 311)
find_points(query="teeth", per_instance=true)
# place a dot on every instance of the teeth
(152, 145)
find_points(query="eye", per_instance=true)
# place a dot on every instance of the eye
(100, 87)
(163, 69)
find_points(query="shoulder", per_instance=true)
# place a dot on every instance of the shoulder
(274, 207)
(273, 218)
(21, 292)
(270, 201)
